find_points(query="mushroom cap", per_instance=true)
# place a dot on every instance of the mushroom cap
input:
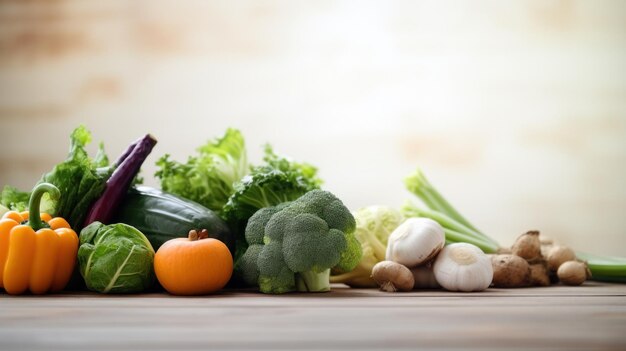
(392, 276)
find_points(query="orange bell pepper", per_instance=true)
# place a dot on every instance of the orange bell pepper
(36, 253)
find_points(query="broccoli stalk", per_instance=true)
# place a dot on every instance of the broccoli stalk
(312, 281)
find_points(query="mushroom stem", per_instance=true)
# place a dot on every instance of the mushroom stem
(388, 287)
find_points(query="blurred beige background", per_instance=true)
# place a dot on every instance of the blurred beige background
(516, 110)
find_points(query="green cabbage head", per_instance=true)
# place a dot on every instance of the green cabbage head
(374, 224)
(115, 258)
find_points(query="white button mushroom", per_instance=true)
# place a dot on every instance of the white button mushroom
(415, 241)
(463, 267)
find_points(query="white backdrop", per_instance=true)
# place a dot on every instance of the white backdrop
(515, 110)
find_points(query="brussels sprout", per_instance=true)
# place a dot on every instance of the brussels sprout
(115, 258)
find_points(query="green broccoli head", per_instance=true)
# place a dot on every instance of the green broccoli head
(275, 277)
(311, 245)
(302, 241)
(255, 230)
(334, 213)
(351, 256)
(247, 267)
(328, 207)
(277, 226)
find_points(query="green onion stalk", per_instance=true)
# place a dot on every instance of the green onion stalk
(456, 227)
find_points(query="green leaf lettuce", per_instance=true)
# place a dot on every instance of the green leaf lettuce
(80, 179)
(207, 178)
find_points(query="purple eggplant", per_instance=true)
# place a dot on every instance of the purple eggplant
(117, 185)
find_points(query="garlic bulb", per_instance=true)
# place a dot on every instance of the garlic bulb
(463, 267)
(415, 241)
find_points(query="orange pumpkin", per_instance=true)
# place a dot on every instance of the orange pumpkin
(195, 265)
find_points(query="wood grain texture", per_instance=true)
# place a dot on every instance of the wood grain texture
(591, 317)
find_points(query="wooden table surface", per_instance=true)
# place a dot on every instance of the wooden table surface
(590, 317)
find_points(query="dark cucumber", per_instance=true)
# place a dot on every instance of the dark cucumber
(162, 216)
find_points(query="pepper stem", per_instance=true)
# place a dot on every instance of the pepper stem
(34, 219)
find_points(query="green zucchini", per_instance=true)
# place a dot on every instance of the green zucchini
(162, 216)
